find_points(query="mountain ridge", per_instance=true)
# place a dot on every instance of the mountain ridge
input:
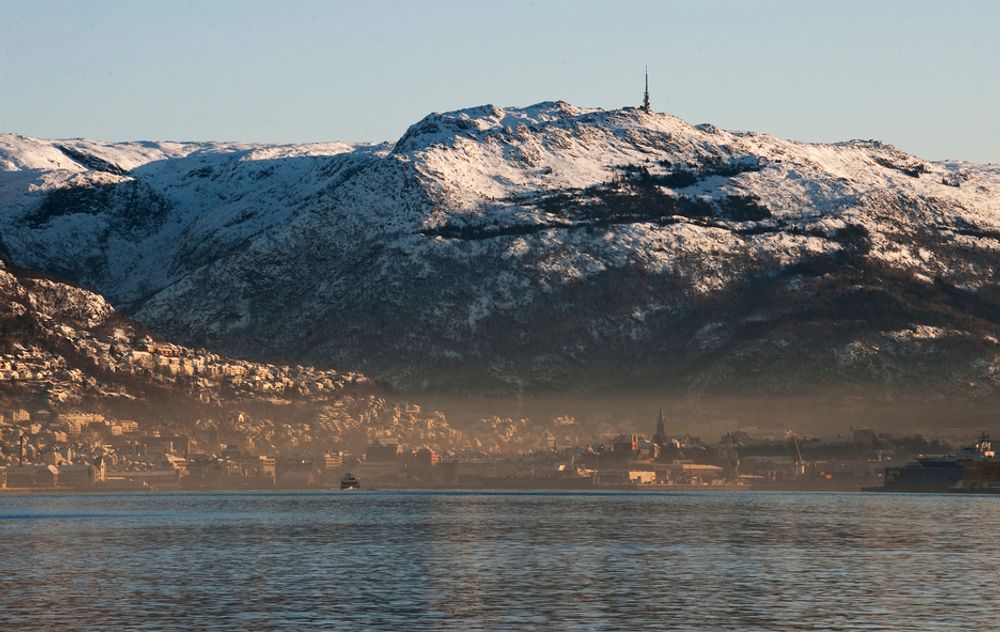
(548, 247)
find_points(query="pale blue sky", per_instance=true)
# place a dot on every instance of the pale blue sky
(921, 75)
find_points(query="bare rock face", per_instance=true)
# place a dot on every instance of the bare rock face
(529, 249)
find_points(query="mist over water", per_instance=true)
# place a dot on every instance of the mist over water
(446, 560)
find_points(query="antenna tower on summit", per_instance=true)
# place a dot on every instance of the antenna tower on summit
(645, 95)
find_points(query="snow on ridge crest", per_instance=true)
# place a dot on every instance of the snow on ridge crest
(21, 153)
(441, 127)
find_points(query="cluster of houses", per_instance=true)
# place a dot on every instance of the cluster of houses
(76, 448)
(403, 445)
(74, 362)
(31, 364)
(121, 356)
(209, 370)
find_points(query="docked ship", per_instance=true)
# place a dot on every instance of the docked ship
(975, 468)
(350, 481)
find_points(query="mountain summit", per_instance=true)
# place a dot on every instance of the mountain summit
(549, 247)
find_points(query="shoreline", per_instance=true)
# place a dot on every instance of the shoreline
(665, 489)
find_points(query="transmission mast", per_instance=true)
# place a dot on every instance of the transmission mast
(645, 95)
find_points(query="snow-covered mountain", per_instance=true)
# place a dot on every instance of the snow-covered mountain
(550, 246)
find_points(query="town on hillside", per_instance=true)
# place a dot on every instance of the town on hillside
(391, 446)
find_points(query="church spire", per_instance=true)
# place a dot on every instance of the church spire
(661, 431)
(645, 95)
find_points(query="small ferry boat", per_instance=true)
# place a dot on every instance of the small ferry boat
(350, 481)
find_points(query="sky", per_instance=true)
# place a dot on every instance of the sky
(919, 74)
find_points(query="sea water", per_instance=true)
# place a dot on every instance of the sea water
(512, 561)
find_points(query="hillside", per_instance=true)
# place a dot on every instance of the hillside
(67, 358)
(546, 248)
(74, 344)
(64, 349)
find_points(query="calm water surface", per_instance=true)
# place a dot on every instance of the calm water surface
(465, 561)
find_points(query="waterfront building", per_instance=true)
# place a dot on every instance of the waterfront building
(425, 458)
(626, 444)
(864, 439)
(78, 475)
(642, 477)
(379, 453)
(689, 473)
(295, 472)
(20, 476)
(268, 466)
(646, 449)
(100, 468)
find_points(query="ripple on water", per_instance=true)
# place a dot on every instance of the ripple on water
(461, 561)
